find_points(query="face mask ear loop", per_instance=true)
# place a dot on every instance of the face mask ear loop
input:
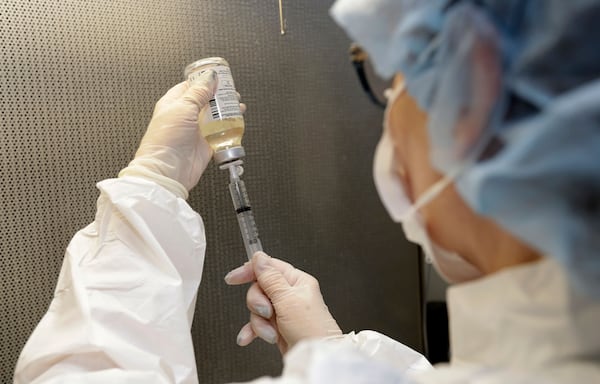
(391, 94)
(434, 191)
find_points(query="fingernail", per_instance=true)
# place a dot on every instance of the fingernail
(242, 337)
(229, 277)
(207, 78)
(268, 334)
(263, 311)
(209, 75)
(261, 261)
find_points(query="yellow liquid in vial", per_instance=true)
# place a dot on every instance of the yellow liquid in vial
(223, 134)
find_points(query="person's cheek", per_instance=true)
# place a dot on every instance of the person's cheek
(408, 129)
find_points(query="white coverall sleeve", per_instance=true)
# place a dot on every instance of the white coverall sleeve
(125, 297)
(365, 357)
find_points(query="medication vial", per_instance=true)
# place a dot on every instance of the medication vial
(221, 122)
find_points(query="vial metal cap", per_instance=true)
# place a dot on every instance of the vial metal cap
(203, 62)
(228, 155)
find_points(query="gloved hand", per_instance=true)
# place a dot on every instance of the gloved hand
(173, 153)
(285, 303)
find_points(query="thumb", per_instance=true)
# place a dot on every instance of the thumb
(271, 280)
(201, 90)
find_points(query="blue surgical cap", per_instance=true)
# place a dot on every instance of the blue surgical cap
(535, 166)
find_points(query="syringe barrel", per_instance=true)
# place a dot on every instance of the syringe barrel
(243, 210)
(249, 233)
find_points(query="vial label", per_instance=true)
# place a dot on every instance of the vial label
(225, 104)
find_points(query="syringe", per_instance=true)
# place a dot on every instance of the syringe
(243, 209)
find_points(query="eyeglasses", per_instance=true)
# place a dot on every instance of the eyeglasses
(358, 58)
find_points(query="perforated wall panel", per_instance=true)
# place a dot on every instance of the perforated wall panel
(78, 81)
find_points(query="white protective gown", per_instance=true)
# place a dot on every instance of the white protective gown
(124, 302)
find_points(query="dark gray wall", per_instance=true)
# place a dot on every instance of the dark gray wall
(78, 83)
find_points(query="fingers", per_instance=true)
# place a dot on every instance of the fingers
(175, 92)
(241, 275)
(243, 106)
(263, 329)
(272, 281)
(246, 335)
(245, 273)
(201, 90)
(278, 264)
(196, 93)
(269, 277)
(172, 94)
(282, 345)
(258, 303)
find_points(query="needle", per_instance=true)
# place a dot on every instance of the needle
(281, 20)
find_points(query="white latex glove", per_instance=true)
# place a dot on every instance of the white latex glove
(173, 153)
(285, 303)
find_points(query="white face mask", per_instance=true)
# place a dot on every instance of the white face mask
(450, 265)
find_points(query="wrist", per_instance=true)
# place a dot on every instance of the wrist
(138, 169)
